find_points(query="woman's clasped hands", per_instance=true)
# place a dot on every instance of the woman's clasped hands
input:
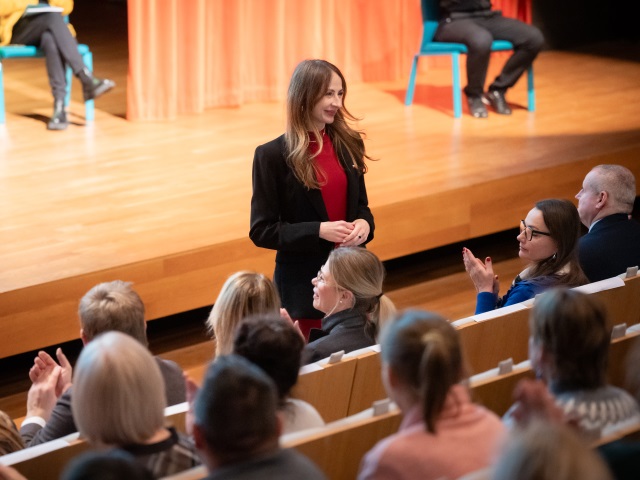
(347, 234)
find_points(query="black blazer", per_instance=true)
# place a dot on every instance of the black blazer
(612, 245)
(286, 216)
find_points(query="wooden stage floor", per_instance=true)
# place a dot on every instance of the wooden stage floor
(166, 204)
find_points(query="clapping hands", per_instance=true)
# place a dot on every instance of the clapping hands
(481, 274)
(49, 382)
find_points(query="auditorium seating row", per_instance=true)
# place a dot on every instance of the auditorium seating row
(487, 339)
(339, 447)
(344, 386)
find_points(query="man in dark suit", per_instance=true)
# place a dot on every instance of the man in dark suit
(106, 307)
(605, 204)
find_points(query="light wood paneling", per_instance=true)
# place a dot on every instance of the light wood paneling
(166, 204)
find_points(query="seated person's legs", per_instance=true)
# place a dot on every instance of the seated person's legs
(50, 32)
(527, 41)
(478, 41)
(57, 80)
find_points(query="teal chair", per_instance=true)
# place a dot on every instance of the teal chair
(27, 51)
(430, 18)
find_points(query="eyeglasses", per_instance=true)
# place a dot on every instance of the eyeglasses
(529, 232)
(320, 279)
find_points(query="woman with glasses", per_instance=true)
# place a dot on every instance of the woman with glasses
(348, 290)
(548, 241)
(309, 194)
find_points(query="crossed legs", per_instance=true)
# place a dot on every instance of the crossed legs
(49, 32)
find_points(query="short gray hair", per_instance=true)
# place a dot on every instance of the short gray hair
(118, 391)
(618, 182)
(543, 451)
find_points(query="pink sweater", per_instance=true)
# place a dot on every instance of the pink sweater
(468, 437)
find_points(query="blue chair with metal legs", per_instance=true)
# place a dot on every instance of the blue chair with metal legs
(430, 17)
(28, 51)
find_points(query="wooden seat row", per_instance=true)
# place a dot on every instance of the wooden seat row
(353, 383)
(338, 448)
(504, 333)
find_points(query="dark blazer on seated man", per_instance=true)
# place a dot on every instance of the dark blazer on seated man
(61, 421)
(604, 204)
(111, 306)
(611, 246)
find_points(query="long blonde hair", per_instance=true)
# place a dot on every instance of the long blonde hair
(309, 82)
(243, 294)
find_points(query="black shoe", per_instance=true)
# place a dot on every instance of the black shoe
(476, 107)
(496, 99)
(59, 118)
(93, 87)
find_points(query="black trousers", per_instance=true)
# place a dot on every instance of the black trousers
(477, 33)
(49, 32)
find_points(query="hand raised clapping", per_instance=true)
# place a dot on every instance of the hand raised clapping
(481, 274)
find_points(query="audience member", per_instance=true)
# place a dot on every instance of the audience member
(442, 434)
(107, 306)
(535, 403)
(548, 242)
(545, 451)
(348, 290)
(119, 402)
(111, 465)
(243, 294)
(473, 23)
(568, 348)
(20, 24)
(10, 440)
(236, 428)
(605, 204)
(275, 345)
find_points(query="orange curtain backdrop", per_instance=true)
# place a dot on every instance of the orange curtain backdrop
(189, 55)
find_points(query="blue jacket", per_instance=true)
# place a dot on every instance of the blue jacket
(520, 291)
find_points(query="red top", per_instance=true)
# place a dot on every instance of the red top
(333, 179)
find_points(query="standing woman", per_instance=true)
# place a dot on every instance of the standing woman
(309, 194)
